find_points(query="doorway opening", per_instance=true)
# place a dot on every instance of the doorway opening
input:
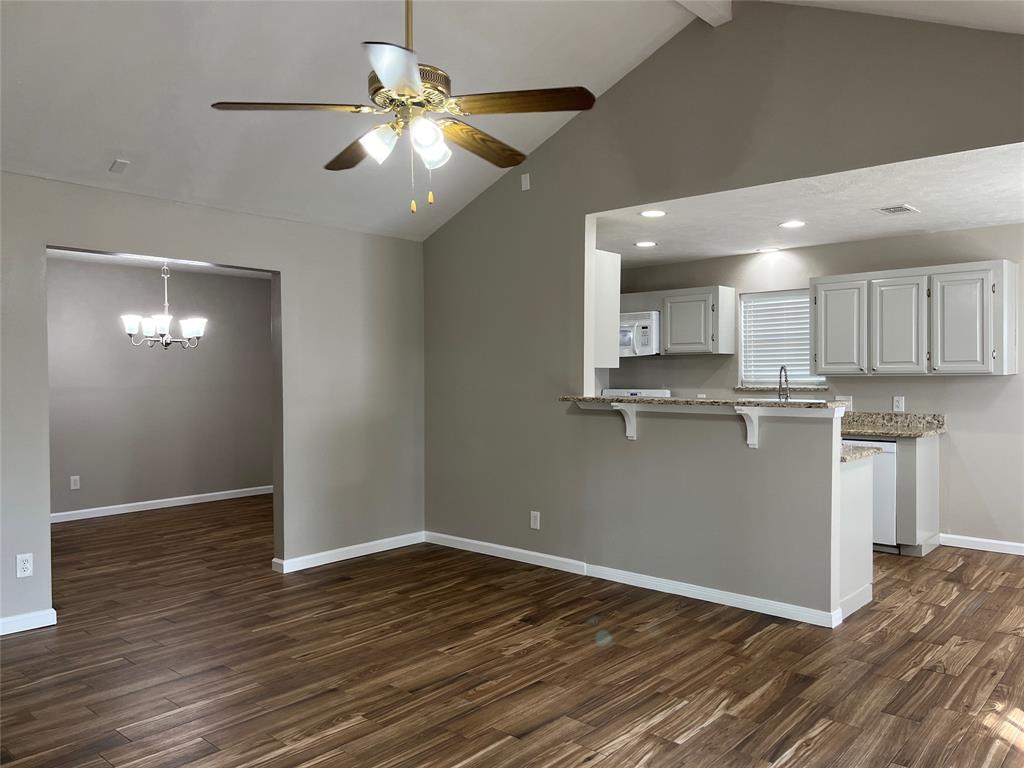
(177, 419)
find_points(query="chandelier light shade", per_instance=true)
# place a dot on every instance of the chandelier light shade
(156, 329)
(131, 323)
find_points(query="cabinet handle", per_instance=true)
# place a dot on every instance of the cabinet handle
(993, 354)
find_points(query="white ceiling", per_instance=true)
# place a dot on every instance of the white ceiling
(85, 82)
(980, 188)
(996, 15)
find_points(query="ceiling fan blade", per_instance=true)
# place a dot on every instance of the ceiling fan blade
(349, 157)
(272, 105)
(397, 67)
(541, 100)
(480, 144)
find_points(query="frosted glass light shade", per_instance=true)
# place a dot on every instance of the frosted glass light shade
(192, 327)
(425, 133)
(148, 327)
(131, 323)
(163, 324)
(379, 142)
(435, 156)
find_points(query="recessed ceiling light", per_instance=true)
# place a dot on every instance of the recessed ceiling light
(645, 244)
(652, 214)
(767, 250)
(792, 224)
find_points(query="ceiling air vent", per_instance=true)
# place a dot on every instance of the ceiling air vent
(897, 210)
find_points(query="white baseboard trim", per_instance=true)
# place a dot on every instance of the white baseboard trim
(142, 506)
(747, 602)
(856, 600)
(733, 599)
(509, 553)
(300, 563)
(986, 545)
(24, 621)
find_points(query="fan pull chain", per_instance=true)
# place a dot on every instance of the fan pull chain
(412, 178)
(430, 183)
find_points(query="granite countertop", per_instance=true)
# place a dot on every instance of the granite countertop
(746, 402)
(858, 452)
(893, 425)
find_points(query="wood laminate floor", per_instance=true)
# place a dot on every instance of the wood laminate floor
(177, 645)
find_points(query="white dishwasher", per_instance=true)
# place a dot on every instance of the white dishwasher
(885, 489)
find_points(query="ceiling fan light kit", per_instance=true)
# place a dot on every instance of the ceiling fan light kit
(399, 85)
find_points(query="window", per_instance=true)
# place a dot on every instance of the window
(775, 330)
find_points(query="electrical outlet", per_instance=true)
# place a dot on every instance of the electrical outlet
(848, 400)
(76, 482)
(898, 404)
(535, 519)
(23, 565)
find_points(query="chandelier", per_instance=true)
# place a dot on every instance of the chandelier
(156, 329)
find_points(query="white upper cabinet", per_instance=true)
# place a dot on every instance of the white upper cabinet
(951, 319)
(899, 325)
(962, 322)
(687, 325)
(694, 321)
(840, 327)
(698, 321)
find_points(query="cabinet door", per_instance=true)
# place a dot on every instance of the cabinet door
(841, 327)
(899, 325)
(686, 323)
(961, 322)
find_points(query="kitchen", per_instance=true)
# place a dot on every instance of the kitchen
(891, 301)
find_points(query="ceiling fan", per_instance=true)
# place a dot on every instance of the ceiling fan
(400, 85)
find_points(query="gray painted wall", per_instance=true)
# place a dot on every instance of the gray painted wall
(980, 495)
(139, 424)
(349, 454)
(780, 92)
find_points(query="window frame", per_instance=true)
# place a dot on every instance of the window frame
(820, 385)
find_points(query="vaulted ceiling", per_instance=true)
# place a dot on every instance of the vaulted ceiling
(87, 82)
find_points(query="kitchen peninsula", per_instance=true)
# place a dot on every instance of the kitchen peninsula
(763, 511)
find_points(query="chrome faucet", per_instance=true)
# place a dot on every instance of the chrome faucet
(783, 395)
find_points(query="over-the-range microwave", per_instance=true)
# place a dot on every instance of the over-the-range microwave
(639, 333)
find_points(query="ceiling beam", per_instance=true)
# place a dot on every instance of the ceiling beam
(714, 12)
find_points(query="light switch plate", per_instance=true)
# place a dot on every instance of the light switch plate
(535, 519)
(76, 482)
(524, 182)
(898, 404)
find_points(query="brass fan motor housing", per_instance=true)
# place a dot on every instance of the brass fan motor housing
(437, 90)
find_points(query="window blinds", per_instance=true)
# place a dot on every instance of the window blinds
(775, 330)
